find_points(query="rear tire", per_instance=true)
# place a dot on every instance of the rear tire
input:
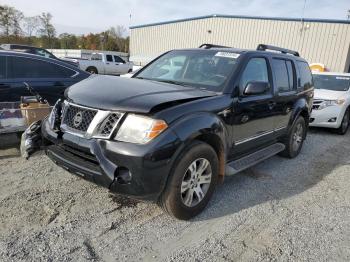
(344, 123)
(191, 182)
(295, 139)
(92, 70)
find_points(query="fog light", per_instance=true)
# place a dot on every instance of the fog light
(123, 175)
(332, 120)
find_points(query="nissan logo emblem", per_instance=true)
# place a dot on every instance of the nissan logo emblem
(78, 118)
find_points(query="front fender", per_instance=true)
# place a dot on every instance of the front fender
(201, 124)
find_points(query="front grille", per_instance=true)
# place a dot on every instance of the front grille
(78, 118)
(317, 103)
(108, 124)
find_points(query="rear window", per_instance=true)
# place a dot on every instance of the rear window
(21, 67)
(305, 75)
(332, 82)
(3, 70)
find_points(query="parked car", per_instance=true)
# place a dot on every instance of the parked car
(183, 121)
(49, 77)
(105, 64)
(331, 107)
(36, 51)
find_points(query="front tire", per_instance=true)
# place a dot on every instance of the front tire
(295, 139)
(191, 182)
(344, 124)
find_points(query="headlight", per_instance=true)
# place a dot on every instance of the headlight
(328, 103)
(55, 114)
(140, 129)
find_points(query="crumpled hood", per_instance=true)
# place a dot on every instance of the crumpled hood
(328, 94)
(129, 94)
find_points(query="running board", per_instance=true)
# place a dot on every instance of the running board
(250, 160)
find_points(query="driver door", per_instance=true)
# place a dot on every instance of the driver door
(253, 123)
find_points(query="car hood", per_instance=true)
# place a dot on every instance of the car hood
(130, 94)
(325, 94)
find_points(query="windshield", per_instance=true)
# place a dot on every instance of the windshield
(205, 69)
(332, 82)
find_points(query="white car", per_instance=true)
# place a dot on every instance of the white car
(106, 64)
(331, 106)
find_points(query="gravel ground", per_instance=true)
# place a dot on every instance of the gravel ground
(279, 210)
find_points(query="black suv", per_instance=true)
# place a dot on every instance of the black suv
(181, 123)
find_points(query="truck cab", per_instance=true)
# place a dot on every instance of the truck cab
(106, 64)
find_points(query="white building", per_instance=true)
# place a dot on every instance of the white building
(317, 40)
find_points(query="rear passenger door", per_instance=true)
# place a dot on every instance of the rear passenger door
(47, 78)
(254, 114)
(285, 90)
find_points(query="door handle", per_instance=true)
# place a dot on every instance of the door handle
(271, 104)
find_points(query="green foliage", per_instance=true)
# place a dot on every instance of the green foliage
(39, 31)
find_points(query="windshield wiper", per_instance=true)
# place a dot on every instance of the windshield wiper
(171, 82)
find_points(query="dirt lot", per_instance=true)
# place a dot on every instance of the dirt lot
(279, 210)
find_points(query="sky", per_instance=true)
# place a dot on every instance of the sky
(84, 16)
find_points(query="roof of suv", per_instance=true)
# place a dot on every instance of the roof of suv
(261, 49)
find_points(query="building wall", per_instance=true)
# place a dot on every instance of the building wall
(318, 42)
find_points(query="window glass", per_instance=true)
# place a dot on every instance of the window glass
(117, 59)
(22, 67)
(109, 58)
(256, 70)
(332, 82)
(43, 53)
(3, 67)
(305, 75)
(96, 57)
(291, 74)
(281, 75)
(204, 69)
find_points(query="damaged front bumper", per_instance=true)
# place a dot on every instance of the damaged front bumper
(140, 171)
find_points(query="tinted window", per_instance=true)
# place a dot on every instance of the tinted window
(332, 82)
(109, 58)
(21, 67)
(2, 67)
(118, 59)
(305, 75)
(256, 70)
(281, 75)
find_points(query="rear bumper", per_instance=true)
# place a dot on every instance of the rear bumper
(102, 161)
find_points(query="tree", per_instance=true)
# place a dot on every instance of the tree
(10, 19)
(31, 25)
(47, 29)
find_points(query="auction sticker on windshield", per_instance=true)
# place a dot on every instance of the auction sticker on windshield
(227, 55)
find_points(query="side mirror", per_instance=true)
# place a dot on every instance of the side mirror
(256, 88)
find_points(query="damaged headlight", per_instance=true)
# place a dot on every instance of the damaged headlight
(327, 103)
(55, 115)
(140, 129)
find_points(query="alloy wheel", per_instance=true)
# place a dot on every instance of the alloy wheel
(196, 182)
(298, 137)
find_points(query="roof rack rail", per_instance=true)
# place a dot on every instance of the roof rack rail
(208, 46)
(262, 47)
